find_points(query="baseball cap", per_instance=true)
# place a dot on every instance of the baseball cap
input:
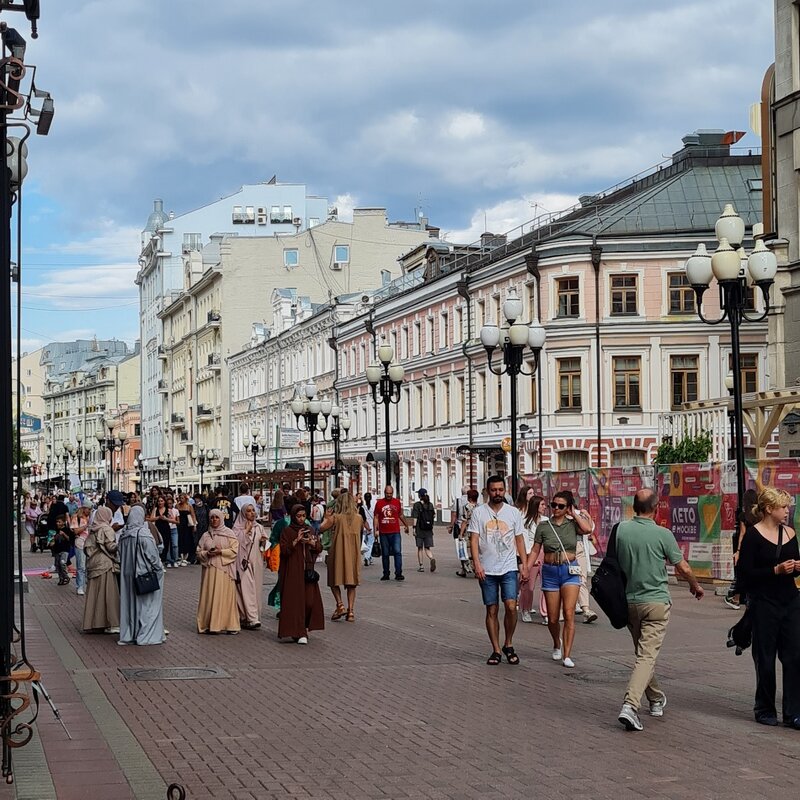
(422, 492)
(116, 497)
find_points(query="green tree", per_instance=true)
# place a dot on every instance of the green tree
(689, 449)
(22, 455)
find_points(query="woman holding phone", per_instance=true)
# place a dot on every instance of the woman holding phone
(217, 552)
(561, 572)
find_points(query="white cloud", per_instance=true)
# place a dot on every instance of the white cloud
(85, 288)
(465, 125)
(344, 204)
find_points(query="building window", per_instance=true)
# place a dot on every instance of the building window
(568, 291)
(429, 335)
(569, 383)
(623, 295)
(748, 366)
(683, 375)
(458, 323)
(498, 402)
(480, 315)
(573, 460)
(628, 458)
(287, 214)
(275, 214)
(249, 214)
(313, 222)
(480, 396)
(341, 253)
(444, 331)
(627, 379)
(458, 398)
(291, 257)
(681, 294)
(533, 390)
(417, 336)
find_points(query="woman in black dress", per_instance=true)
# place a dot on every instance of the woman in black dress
(187, 522)
(769, 561)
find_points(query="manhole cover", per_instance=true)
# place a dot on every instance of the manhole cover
(174, 674)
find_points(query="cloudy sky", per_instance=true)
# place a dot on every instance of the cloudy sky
(479, 113)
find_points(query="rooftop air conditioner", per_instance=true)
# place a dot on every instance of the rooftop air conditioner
(338, 266)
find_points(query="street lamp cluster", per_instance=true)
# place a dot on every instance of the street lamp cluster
(258, 445)
(386, 379)
(312, 415)
(513, 340)
(112, 444)
(732, 268)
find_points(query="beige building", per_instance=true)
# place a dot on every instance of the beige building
(229, 286)
(87, 381)
(31, 408)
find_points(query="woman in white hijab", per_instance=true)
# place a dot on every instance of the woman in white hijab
(141, 615)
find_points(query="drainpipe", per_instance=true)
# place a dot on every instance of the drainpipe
(462, 287)
(596, 252)
(532, 264)
(370, 328)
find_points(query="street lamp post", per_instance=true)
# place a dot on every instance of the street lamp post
(122, 435)
(515, 338)
(333, 432)
(257, 446)
(166, 461)
(726, 266)
(201, 457)
(101, 446)
(48, 460)
(385, 379)
(79, 439)
(65, 448)
(307, 408)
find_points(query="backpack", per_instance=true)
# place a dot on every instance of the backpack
(608, 585)
(426, 517)
(317, 512)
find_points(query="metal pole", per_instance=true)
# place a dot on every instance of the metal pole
(733, 302)
(6, 423)
(514, 456)
(596, 253)
(311, 441)
(335, 433)
(386, 401)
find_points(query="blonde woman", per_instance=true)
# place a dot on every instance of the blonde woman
(769, 562)
(344, 553)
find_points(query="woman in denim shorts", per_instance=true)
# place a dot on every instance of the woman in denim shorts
(561, 578)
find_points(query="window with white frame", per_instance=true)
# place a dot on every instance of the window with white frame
(429, 343)
(444, 330)
(417, 337)
(291, 257)
(341, 253)
(458, 324)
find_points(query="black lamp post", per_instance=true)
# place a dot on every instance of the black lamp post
(65, 448)
(166, 461)
(80, 454)
(47, 462)
(201, 458)
(257, 446)
(726, 266)
(307, 409)
(333, 432)
(385, 379)
(516, 337)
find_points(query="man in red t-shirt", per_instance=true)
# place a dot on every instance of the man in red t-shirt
(388, 517)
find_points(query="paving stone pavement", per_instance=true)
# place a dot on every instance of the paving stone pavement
(399, 704)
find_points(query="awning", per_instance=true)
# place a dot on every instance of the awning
(295, 465)
(481, 452)
(381, 457)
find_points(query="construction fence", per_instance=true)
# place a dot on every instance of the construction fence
(697, 502)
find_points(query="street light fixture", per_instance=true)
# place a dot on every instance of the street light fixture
(122, 435)
(258, 445)
(513, 340)
(166, 460)
(307, 408)
(726, 265)
(333, 432)
(202, 456)
(66, 446)
(385, 379)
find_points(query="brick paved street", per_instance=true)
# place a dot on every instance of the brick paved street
(398, 705)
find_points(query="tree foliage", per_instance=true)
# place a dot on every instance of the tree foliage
(689, 449)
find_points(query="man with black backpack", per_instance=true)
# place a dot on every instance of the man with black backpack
(425, 515)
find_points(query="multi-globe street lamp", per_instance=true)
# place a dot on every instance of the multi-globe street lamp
(258, 445)
(333, 432)
(66, 447)
(731, 267)
(385, 379)
(166, 461)
(307, 408)
(201, 458)
(513, 340)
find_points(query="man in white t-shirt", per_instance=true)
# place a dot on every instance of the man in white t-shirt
(496, 539)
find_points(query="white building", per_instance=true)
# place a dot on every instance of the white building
(262, 210)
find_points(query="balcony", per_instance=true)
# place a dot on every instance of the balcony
(177, 420)
(214, 361)
(162, 353)
(186, 436)
(204, 410)
(214, 319)
(162, 386)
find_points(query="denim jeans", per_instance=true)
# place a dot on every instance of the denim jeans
(368, 539)
(391, 545)
(172, 553)
(80, 568)
(61, 566)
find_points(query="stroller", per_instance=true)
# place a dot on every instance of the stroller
(43, 533)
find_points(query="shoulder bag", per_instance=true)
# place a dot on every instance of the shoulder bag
(573, 569)
(608, 585)
(147, 582)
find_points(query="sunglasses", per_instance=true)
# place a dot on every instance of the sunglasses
(558, 505)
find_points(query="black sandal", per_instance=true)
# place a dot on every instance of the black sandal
(494, 659)
(511, 656)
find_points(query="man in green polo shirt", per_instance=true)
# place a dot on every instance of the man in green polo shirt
(642, 550)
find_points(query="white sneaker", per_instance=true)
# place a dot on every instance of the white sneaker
(81, 591)
(589, 618)
(526, 616)
(545, 621)
(657, 707)
(556, 654)
(629, 718)
(568, 662)
(303, 640)
(111, 630)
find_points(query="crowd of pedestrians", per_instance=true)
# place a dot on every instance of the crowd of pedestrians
(531, 555)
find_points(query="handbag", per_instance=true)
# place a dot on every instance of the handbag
(572, 569)
(147, 582)
(376, 548)
(462, 554)
(608, 585)
(311, 576)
